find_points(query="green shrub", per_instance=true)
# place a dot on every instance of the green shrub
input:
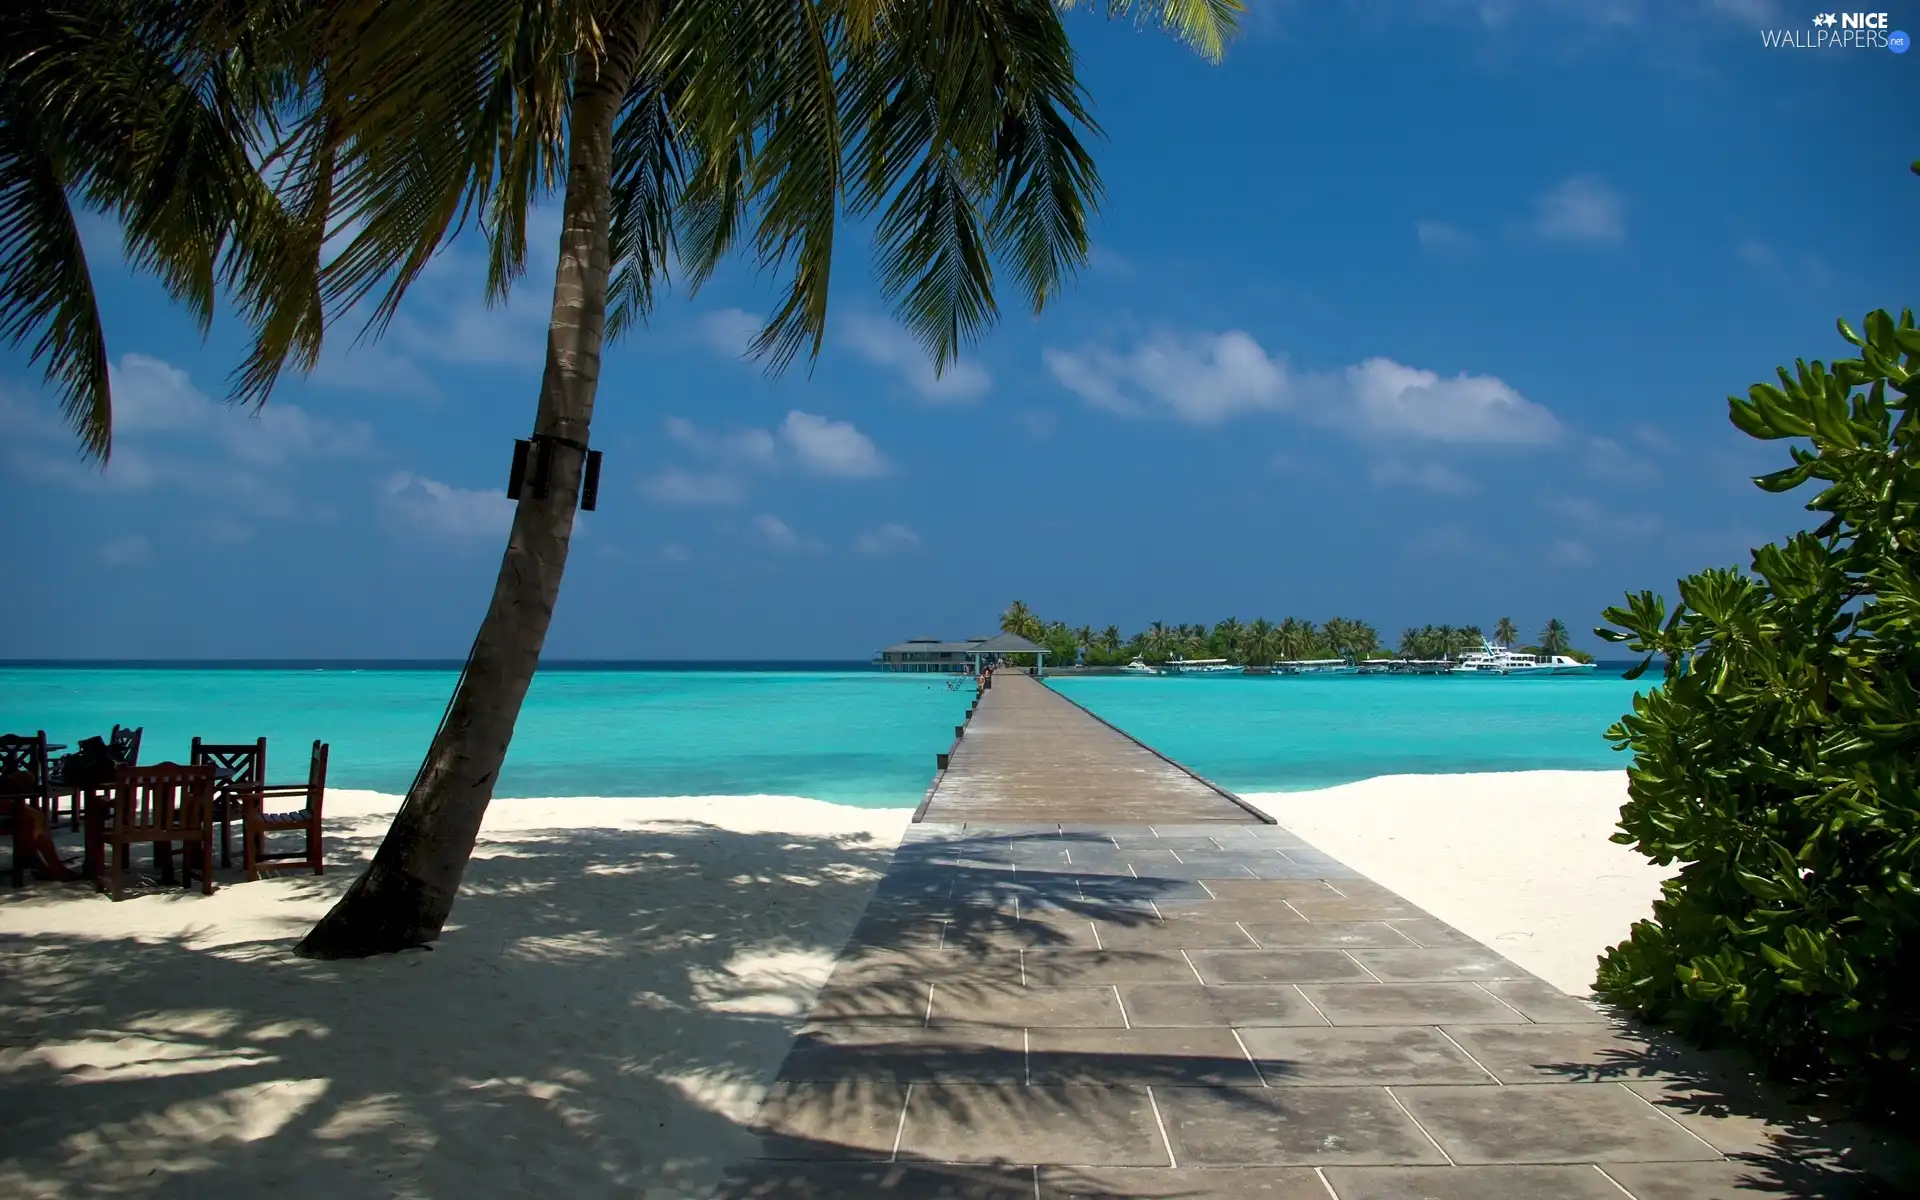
(1778, 760)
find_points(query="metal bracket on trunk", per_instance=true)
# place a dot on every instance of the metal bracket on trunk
(532, 469)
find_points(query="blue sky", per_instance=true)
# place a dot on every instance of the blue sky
(1429, 319)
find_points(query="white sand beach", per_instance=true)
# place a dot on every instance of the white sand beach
(1520, 861)
(620, 979)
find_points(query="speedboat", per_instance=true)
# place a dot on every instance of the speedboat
(1139, 666)
(1503, 660)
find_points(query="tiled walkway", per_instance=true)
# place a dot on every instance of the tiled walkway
(1029, 754)
(1217, 1011)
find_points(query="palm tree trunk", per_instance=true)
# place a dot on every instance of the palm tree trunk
(404, 898)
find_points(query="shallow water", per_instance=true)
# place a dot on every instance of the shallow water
(847, 737)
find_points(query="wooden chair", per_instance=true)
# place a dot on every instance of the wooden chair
(259, 822)
(160, 805)
(80, 776)
(23, 797)
(240, 766)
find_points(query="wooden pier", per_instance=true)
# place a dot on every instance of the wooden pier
(1030, 756)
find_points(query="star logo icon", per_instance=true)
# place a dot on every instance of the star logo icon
(1826, 19)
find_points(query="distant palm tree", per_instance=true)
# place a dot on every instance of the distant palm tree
(1225, 641)
(1084, 639)
(1110, 642)
(1442, 642)
(1259, 643)
(1505, 633)
(1467, 639)
(1157, 643)
(1363, 640)
(1019, 621)
(1553, 639)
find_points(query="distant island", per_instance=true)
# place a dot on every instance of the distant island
(1262, 642)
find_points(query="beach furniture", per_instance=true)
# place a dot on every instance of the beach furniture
(89, 770)
(258, 822)
(160, 805)
(238, 766)
(23, 796)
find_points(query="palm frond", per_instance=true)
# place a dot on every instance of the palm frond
(46, 292)
(648, 181)
(1206, 25)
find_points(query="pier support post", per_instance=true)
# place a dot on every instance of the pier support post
(940, 761)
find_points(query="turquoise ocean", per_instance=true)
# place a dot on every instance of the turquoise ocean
(847, 736)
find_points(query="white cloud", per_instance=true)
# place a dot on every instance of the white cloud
(437, 508)
(777, 533)
(674, 553)
(831, 447)
(153, 397)
(1430, 477)
(1758, 254)
(1439, 235)
(222, 528)
(1569, 553)
(676, 486)
(1583, 209)
(126, 551)
(730, 331)
(1392, 400)
(1039, 423)
(150, 395)
(1204, 379)
(1210, 378)
(748, 446)
(887, 539)
(885, 344)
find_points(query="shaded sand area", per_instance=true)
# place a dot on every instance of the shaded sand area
(623, 981)
(1519, 861)
(620, 979)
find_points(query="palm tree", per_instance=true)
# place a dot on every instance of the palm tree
(667, 129)
(1363, 639)
(1110, 643)
(1225, 640)
(1466, 640)
(1019, 621)
(1156, 643)
(1505, 633)
(1259, 642)
(1553, 639)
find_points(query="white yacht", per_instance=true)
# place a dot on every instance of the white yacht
(1139, 666)
(1503, 660)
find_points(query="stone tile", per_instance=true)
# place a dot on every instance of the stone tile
(1275, 889)
(1051, 968)
(1189, 1005)
(1583, 1053)
(910, 932)
(1195, 872)
(1380, 1054)
(1747, 1179)
(1281, 868)
(1426, 931)
(1028, 1007)
(1540, 1001)
(1409, 1004)
(894, 1004)
(1215, 1127)
(1065, 1123)
(848, 1119)
(1470, 1183)
(1303, 934)
(1175, 933)
(1356, 909)
(1276, 966)
(998, 932)
(1547, 1123)
(763, 1180)
(845, 1050)
(902, 967)
(1737, 1115)
(1442, 965)
(1164, 893)
(1174, 1057)
(1183, 1183)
